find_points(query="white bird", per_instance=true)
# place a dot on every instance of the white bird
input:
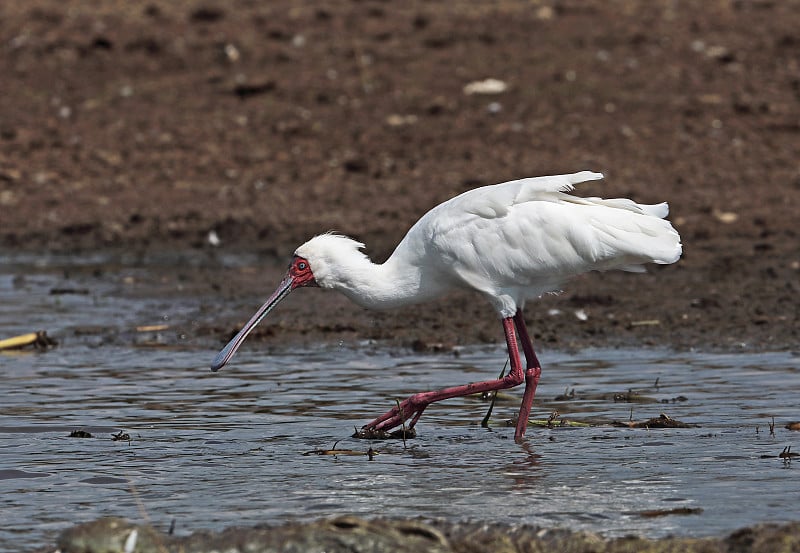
(510, 242)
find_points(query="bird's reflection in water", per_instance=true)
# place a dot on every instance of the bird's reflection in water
(527, 468)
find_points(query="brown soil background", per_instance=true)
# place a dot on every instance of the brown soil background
(144, 126)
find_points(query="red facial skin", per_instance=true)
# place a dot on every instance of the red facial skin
(300, 272)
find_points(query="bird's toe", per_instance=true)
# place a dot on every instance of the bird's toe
(371, 433)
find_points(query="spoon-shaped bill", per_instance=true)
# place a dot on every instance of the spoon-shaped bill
(227, 352)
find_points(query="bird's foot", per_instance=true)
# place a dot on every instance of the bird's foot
(379, 429)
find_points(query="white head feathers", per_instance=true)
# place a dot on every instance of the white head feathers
(329, 253)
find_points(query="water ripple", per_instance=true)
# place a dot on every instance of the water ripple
(212, 450)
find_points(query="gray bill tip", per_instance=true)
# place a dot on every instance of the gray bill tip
(219, 361)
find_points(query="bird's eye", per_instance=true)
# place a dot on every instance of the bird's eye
(302, 265)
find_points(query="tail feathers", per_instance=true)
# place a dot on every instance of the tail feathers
(656, 210)
(638, 240)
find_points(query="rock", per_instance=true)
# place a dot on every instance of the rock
(352, 534)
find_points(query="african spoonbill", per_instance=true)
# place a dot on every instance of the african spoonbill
(510, 242)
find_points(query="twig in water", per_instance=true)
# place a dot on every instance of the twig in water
(485, 421)
(402, 421)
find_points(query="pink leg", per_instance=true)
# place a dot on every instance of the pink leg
(532, 372)
(413, 407)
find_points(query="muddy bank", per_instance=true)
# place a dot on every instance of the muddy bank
(201, 298)
(151, 126)
(351, 534)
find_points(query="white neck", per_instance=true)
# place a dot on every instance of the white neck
(392, 284)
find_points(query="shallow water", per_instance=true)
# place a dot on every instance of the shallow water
(214, 450)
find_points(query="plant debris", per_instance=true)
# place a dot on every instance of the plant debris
(661, 421)
(653, 513)
(632, 397)
(372, 434)
(787, 453)
(370, 453)
(121, 436)
(39, 340)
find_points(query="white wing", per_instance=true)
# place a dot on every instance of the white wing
(494, 200)
(520, 239)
